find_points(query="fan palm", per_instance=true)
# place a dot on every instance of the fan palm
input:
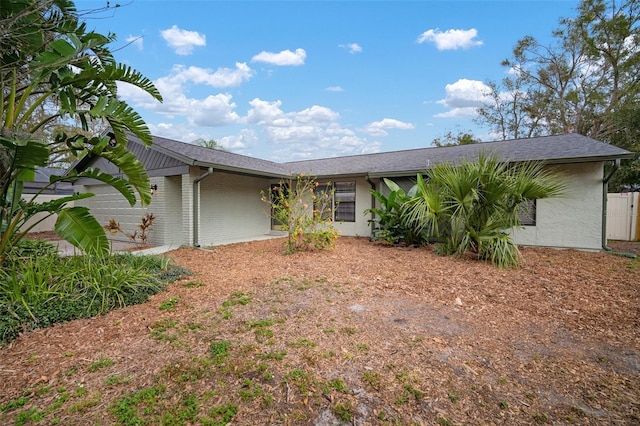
(472, 206)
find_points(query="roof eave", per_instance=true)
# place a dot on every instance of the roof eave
(241, 170)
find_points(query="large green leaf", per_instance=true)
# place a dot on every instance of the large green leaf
(80, 228)
(132, 168)
(122, 185)
(26, 154)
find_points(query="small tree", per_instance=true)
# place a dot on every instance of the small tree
(304, 208)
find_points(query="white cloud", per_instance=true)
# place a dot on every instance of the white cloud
(214, 110)
(240, 142)
(334, 89)
(351, 47)
(286, 57)
(310, 133)
(451, 39)
(222, 77)
(317, 114)
(178, 132)
(463, 98)
(136, 41)
(183, 41)
(265, 113)
(378, 128)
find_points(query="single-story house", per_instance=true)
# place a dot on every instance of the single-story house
(41, 183)
(204, 197)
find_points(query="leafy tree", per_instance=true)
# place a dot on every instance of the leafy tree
(585, 82)
(627, 137)
(449, 139)
(211, 143)
(48, 57)
(304, 208)
(471, 206)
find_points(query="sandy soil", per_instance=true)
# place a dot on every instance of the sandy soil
(362, 334)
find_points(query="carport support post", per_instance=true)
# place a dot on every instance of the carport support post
(196, 206)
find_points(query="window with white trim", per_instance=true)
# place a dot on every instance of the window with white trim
(344, 198)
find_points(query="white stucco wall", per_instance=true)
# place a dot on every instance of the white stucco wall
(231, 209)
(571, 221)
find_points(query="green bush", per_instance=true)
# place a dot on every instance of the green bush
(37, 292)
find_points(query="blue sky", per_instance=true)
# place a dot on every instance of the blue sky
(296, 80)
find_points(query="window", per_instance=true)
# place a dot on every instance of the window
(527, 212)
(345, 201)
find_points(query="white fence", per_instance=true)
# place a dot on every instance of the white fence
(623, 222)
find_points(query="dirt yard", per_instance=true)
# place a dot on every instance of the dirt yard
(363, 334)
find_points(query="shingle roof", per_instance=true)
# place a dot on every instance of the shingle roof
(568, 148)
(200, 156)
(551, 149)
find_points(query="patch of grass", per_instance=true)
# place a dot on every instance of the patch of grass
(193, 284)
(33, 414)
(133, 407)
(100, 363)
(349, 330)
(169, 304)
(344, 411)
(372, 379)
(219, 350)
(220, 415)
(278, 355)
(302, 342)
(237, 298)
(14, 403)
(445, 421)
(116, 380)
(159, 330)
(540, 418)
(338, 385)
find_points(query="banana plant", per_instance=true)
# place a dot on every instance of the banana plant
(389, 219)
(50, 59)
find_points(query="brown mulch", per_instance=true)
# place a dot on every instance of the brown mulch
(388, 335)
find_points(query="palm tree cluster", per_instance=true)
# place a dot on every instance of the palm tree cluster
(466, 207)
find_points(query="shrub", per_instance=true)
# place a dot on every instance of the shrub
(40, 291)
(304, 209)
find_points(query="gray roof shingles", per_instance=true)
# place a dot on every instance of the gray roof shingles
(568, 148)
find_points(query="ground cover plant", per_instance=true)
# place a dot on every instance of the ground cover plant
(39, 288)
(388, 336)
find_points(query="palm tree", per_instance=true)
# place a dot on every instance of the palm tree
(47, 57)
(471, 206)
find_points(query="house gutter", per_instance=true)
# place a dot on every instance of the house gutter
(605, 190)
(196, 206)
(373, 203)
